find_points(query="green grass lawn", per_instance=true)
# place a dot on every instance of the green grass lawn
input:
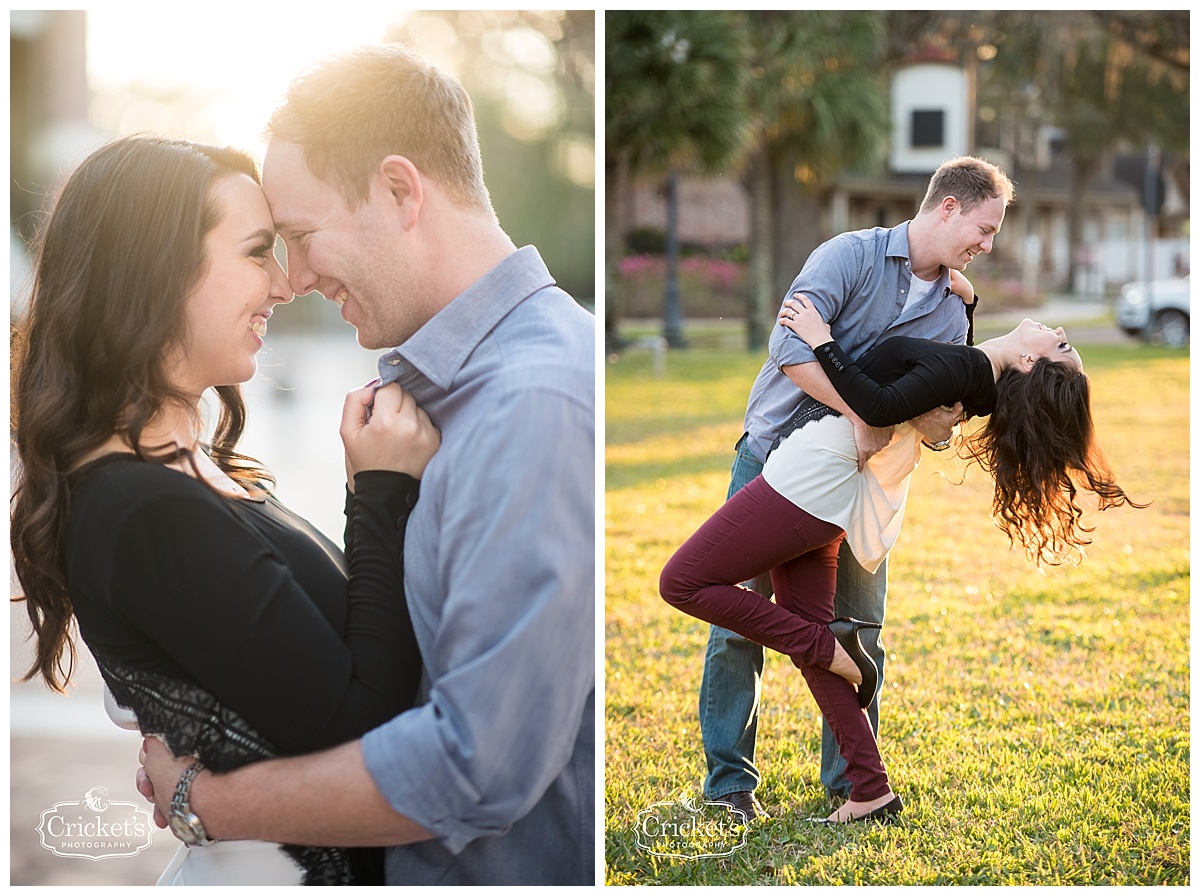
(1034, 721)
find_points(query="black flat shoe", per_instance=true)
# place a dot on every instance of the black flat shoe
(846, 631)
(885, 814)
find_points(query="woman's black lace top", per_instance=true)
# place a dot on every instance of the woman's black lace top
(234, 629)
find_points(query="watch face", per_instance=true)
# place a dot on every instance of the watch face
(181, 827)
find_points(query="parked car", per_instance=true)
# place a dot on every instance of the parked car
(1159, 312)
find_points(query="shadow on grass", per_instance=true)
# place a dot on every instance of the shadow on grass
(634, 433)
(1153, 579)
(636, 475)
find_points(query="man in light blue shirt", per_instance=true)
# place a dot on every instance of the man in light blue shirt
(868, 285)
(501, 588)
(375, 185)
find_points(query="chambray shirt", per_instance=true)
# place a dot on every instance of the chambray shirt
(859, 282)
(499, 567)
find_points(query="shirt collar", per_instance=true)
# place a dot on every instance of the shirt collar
(441, 347)
(897, 245)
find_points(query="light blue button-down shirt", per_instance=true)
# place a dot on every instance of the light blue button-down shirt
(859, 281)
(498, 763)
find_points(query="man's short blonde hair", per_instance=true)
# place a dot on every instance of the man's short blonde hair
(353, 109)
(970, 180)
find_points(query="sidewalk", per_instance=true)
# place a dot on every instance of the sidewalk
(1085, 320)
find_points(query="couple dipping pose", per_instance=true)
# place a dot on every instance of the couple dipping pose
(337, 702)
(871, 339)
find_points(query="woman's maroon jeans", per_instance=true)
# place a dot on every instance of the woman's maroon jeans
(757, 530)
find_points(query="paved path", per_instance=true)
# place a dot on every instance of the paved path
(1086, 321)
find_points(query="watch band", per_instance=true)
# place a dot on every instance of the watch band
(184, 822)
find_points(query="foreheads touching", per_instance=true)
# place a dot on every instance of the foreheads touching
(356, 108)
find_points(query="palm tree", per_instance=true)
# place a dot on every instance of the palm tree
(673, 91)
(819, 107)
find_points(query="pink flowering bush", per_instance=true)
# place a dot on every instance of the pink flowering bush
(708, 287)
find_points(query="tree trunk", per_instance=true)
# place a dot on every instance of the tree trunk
(1082, 169)
(760, 305)
(797, 226)
(672, 304)
(1029, 248)
(616, 167)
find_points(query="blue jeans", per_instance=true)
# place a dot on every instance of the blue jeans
(732, 683)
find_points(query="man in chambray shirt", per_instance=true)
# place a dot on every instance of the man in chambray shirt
(868, 285)
(499, 763)
(375, 184)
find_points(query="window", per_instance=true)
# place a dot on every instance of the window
(928, 126)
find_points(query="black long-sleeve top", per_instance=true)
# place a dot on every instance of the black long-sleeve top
(903, 377)
(247, 600)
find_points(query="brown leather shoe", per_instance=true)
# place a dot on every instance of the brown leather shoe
(744, 801)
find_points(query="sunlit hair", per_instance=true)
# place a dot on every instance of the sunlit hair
(355, 108)
(117, 256)
(970, 180)
(1039, 445)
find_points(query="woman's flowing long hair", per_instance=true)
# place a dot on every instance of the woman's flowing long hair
(1040, 446)
(116, 258)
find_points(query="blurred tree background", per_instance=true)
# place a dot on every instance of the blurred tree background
(532, 77)
(82, 77)
(793, 103)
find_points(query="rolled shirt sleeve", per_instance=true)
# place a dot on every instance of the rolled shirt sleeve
(510, 649)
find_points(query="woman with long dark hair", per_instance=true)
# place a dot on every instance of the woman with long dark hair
(1038, 443)
(229, 626)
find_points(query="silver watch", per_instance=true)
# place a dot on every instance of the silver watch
(185, 824)
(938, 446)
